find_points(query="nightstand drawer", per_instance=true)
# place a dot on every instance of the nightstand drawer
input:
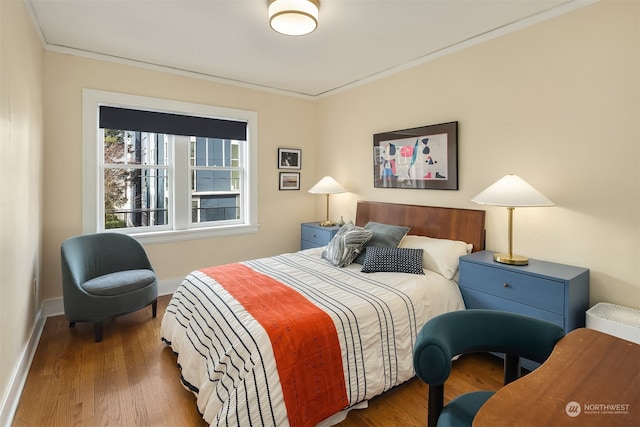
(476, 299)
(312, 235)
(522, 288)
(316, 235)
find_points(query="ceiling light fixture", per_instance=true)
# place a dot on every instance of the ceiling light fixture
(293, 17)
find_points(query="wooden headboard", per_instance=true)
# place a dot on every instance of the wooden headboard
(442, 223)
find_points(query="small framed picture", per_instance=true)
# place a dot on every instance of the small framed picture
(289, 158)
(289, 180)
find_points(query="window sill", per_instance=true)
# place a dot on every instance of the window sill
(193, 234)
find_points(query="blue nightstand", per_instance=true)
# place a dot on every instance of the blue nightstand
(312, 235)
(554, 292)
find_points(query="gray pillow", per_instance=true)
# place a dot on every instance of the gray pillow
(385, 235)
(397, 260)
(346, 245)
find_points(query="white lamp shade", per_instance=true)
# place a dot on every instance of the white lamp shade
(327, 185)
(512, 191)
(293, 17)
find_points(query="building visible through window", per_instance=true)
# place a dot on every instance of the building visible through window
(215, 188)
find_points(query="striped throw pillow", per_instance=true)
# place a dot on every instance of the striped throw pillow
(346, 245)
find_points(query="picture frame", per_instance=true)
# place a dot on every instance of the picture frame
(289, 181)
(424, 158)
(289, 158)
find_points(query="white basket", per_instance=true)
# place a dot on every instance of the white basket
(616, 320)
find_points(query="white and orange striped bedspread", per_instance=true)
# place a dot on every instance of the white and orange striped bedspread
(292, 340)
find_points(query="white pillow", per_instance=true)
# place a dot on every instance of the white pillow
(439, 255)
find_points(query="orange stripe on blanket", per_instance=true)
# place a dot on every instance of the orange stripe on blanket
(304, 340)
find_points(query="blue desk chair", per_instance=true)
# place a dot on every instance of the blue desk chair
(468, 331)
(105, 275)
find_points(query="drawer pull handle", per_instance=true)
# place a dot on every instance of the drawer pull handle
(505, 285)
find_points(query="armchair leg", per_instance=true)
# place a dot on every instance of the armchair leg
(154, 308)
(72, 324)
(436, 402)
(97, 330)
(511, 368)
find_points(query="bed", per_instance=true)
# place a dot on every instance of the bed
(295, 340)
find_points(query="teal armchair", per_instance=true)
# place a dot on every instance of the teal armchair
(105, 275)
(468, 331)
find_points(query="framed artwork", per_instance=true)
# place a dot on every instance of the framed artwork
(289, 158)
(289, 180)
(422, 158)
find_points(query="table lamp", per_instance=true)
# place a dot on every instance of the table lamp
(327, 185)
(511, 191)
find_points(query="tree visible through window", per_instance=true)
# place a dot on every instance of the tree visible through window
(114, 179)
(136, 179)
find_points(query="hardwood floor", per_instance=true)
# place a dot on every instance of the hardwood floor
(131, 379)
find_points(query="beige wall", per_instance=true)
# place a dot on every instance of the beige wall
(21, 75)
(556, 103)
(283, 121)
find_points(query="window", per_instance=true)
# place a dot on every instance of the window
(166, 170)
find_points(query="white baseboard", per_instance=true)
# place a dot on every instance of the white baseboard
(168, 287)
(50, 307)
(12, 394)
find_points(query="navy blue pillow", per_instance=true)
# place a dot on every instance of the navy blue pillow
(397, 260)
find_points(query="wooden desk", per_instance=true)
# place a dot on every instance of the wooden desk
(590, 379)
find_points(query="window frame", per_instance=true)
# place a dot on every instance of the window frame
(92, 189)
